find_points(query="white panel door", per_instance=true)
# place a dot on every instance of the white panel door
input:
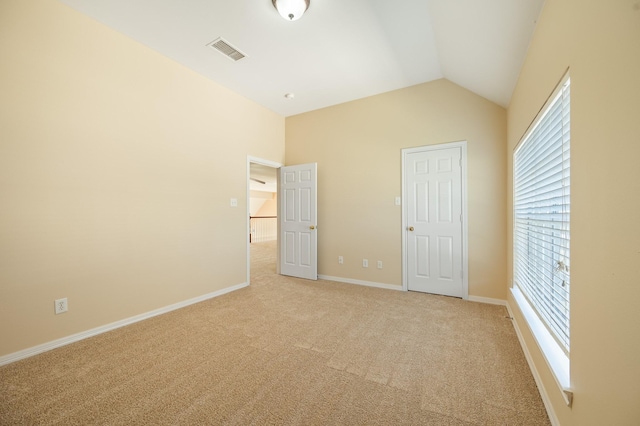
(298, 226)
(433, 186)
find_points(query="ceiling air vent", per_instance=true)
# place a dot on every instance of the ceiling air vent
(226, 49)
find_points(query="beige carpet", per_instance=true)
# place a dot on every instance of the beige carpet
(287, 351)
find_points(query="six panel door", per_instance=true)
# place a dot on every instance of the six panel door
(298, 213)
(433, 185)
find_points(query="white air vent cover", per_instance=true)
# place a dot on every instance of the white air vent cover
(226, 49)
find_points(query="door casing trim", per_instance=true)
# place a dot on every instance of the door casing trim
(465, 225)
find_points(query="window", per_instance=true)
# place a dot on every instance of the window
(541, 215)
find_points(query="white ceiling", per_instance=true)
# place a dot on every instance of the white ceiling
(340, 50)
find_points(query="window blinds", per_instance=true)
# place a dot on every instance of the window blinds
(541, 215)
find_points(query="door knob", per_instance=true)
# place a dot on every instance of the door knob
(312, 227)
(410, 228)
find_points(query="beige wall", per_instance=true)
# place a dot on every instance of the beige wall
(116, 170)
(600, 42)
(256, 200)
(263, 203)
(358, 145)
(270, 206)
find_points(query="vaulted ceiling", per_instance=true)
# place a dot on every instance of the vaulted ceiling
(340, 50)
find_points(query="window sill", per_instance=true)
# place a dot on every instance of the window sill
(557, 360)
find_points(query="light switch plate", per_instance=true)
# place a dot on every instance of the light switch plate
(398, 201)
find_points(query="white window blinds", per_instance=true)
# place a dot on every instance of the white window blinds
(541, 215)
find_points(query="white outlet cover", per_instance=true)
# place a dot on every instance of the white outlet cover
(234, 202)
(379, 264)
(61, 305)
(398, 201)
(365, 263)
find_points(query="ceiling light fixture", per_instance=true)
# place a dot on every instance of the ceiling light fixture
(291, 10)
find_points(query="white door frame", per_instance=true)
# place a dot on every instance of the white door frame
(268, 163)
(465, 229)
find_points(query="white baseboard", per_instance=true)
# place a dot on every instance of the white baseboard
(360, 282)
(488, 300)
(536, 375)
(398, 287)
(25, 353)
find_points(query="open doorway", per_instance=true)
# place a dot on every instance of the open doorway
(262, 212)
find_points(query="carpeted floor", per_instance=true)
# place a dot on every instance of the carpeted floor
(287, 351)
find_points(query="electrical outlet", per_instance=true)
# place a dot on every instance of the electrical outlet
(365, 263)
(233, 202)
(340, 260)
(379, 264)
(61, 306)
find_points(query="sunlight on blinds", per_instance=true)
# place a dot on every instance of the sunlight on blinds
(541, 215)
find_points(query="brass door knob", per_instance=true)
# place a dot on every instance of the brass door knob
(312, 227)
(410, 228)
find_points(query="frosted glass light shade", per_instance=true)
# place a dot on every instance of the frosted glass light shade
(291, 10)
